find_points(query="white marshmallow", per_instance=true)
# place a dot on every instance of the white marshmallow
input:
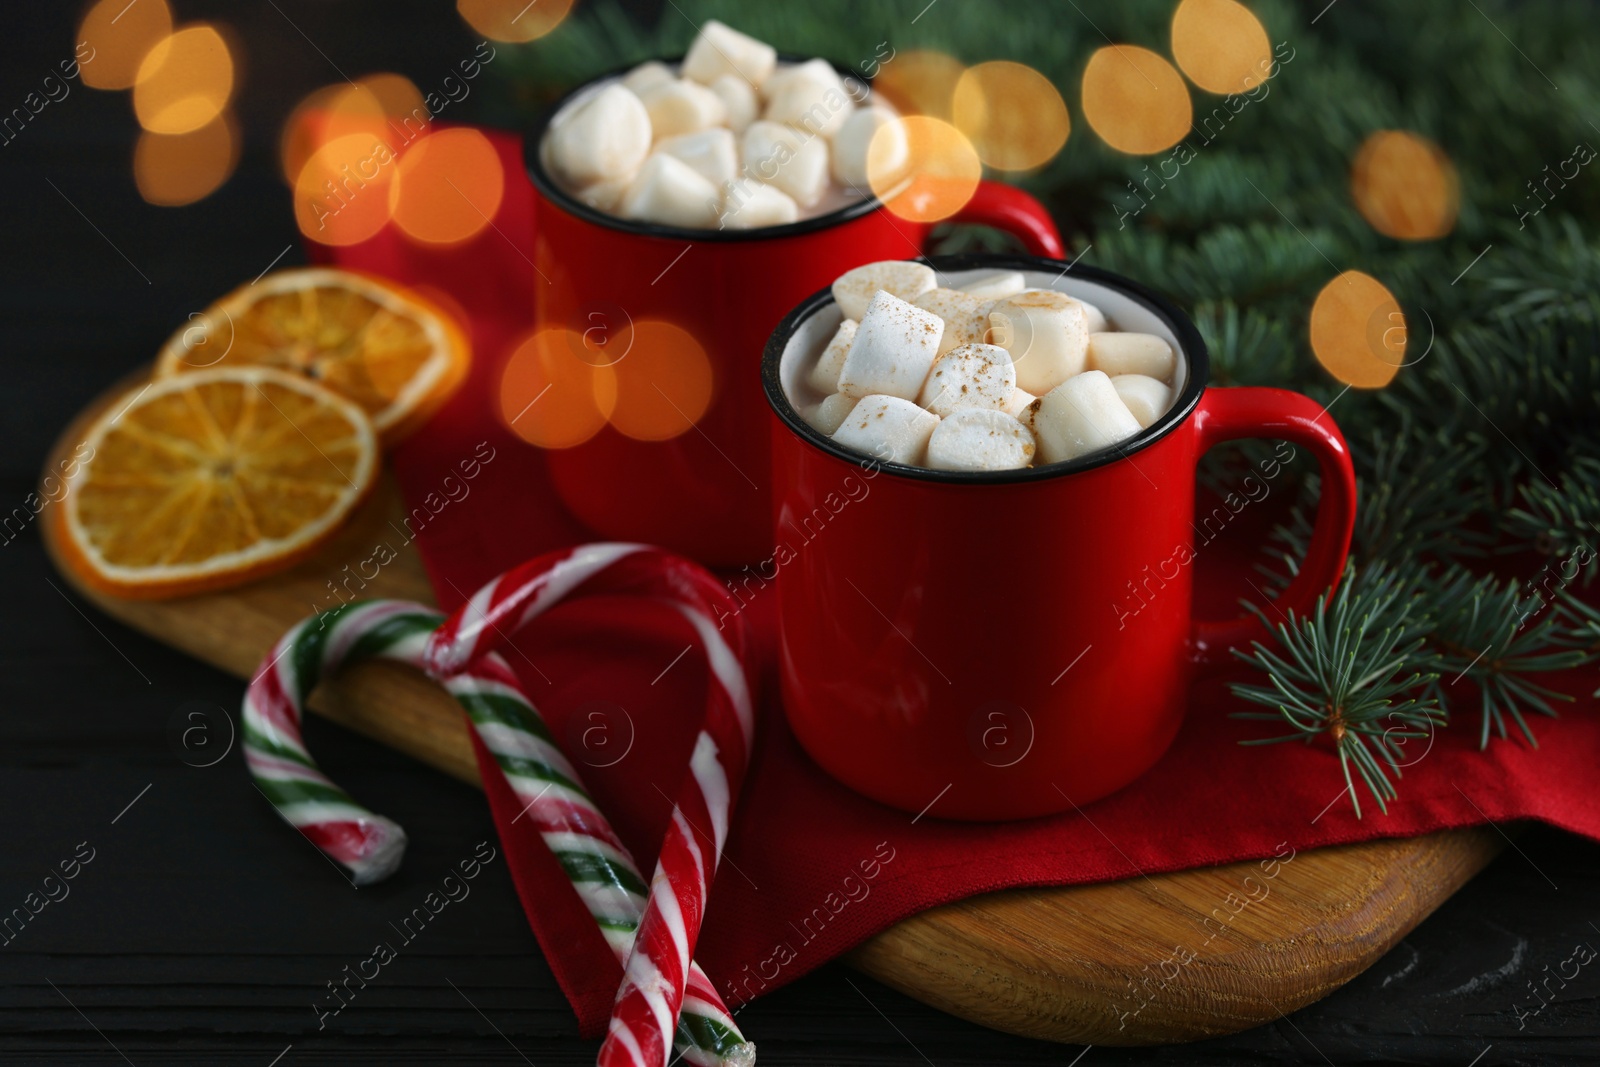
(860, 94)
(712, 153)
(793, 161)
(1145, 397)
(854, 289)
(647, 74)
(1079, 416)
(829, 415)
(1093, 317)
(1046, 335)
(817, 71)
(888, 427)
(604, 196)
(604, 139)
(749, 205)
(966, 317)
(976, 439)
(682, 107)
(892, 351)
(824, 377)
(669, 191)
(1018, 402)
(719, 49)
(971, 376)
(865, 97)
(855, 138)
(1132, 353)
(738, 98)
(818, 105)
(996, 285)
(1029, 415)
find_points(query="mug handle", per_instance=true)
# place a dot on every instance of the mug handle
(1231, 414)
(1005, 207)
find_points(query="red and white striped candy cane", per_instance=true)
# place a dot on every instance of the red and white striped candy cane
(366, 844)
(656, 973)
(576, 832)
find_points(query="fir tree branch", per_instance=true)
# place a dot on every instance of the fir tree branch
(1342, 673)
(1489, 632)
(1247, 347)
(1579, 628)
(1563, 521)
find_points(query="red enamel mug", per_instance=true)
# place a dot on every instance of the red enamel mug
(1005, 645)
(704, 492)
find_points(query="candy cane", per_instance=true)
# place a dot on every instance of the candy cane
(580, 837)
(656, 975)
(370, 846)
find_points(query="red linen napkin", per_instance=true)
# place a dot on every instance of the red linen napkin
(812, 869)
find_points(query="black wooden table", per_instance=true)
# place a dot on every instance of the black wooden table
(201, 931)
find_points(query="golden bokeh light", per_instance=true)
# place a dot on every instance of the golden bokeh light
(303, 131)
(551, 398)
(1013, 115)
(398, 99)
(938, 176)
(1135, 100)
(341, 196)
(1221, 45)
(383, 106)
(920, 83)
(1405, 186)
(176, 169)
(1358, 331)
(513, 20)
(121, 34)
(184, 81)
(663, 384)
(447, 186)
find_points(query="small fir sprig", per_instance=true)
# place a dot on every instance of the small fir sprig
(1492, 633)
(1562, 521)
(1579, 627)
(1344, 672)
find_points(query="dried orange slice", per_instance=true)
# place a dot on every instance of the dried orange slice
(390, 351)
(207, 479)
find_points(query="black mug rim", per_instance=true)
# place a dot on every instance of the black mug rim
(1183, 328)
(551, 191)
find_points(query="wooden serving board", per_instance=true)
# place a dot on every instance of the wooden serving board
(1090, 964)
